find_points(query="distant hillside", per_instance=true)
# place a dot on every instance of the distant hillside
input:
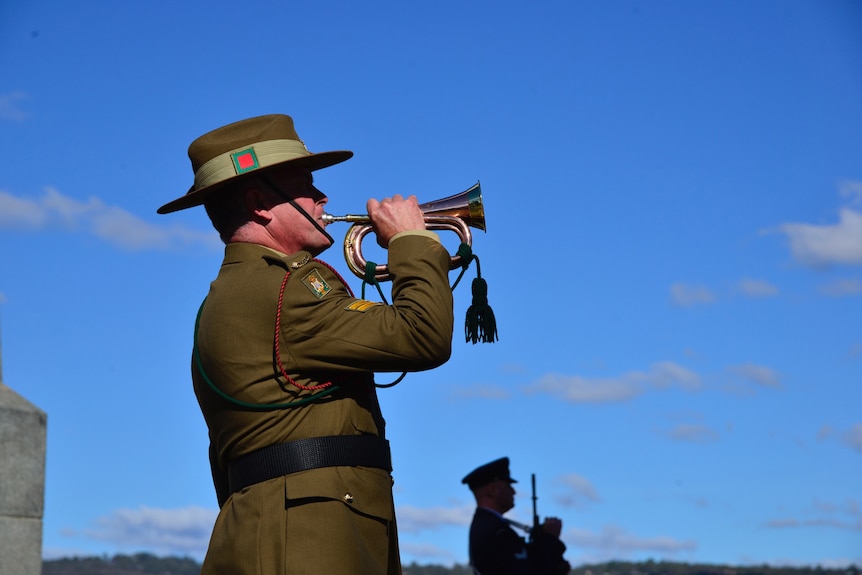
(670, 568)
(122, 565)
(146, 563)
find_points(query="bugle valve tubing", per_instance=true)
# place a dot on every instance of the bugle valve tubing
(456, 213)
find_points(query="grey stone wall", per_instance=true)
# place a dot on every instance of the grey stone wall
(22, 484)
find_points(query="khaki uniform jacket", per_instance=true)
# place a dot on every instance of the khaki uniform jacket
(332, 519)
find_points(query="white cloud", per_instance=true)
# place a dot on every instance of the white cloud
(824, 245)
(853, 437)
(578, 389)
(414, 519)
(758, 374)
(757, 288)
(167, 531)
(694, 433)
(20, 213)
(9, 109)
(851, 189)
(109, 223)
(845, 514)
(667, 374)
(427, 552)
(788, 523)
(690, 295)
(843, 287)
(579, 490)
(69, 210)
(849, 506)
(615, 543)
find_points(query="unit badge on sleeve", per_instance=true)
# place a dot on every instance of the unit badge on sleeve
(315, 282)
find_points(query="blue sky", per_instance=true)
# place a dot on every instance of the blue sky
(673, 254)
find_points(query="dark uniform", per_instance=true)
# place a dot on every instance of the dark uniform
(496, 548)
(283, 372)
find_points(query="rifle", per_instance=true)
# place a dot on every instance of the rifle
(535, 512)
(544, 550)
(534, 530)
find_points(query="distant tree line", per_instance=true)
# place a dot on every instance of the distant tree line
(136, 564)
(149, 564)
(672, 568)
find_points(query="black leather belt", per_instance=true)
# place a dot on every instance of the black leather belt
(311, 453)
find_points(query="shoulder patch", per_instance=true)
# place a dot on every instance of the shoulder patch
(361, 305)
(316, 284)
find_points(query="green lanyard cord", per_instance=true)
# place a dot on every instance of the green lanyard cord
(255, 406)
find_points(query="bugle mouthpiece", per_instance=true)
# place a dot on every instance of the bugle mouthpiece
(353, 218)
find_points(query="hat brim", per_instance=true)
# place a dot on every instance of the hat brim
(310, 162)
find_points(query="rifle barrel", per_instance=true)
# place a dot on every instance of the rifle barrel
(535, 511)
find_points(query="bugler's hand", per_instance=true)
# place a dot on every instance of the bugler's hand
(394, 215)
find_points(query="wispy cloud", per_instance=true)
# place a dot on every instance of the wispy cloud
(693, 433)
(685, 295)
(758, 374)
(414, 519)
(830, 244)
(843, 287)
(853, 437)
(183, 531)
(852, 190)
(822, 522)
(850, 506)
(427, 552)
(691, 295)
(825, 432)
(845, 515)
(112, 224)
(756, 288)
(576, 491)
(579, 389)
(9, 109)
(666, 374)
(613, 542)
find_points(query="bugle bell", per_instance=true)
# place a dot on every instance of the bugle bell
(456, 213)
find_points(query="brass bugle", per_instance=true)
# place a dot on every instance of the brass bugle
(456, 213)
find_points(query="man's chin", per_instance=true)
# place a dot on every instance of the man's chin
(317, 250)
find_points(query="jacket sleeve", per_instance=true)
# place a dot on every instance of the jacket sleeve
(324, 328)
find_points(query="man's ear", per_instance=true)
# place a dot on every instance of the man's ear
(258, 205)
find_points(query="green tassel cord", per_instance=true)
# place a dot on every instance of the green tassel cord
(480, 324)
